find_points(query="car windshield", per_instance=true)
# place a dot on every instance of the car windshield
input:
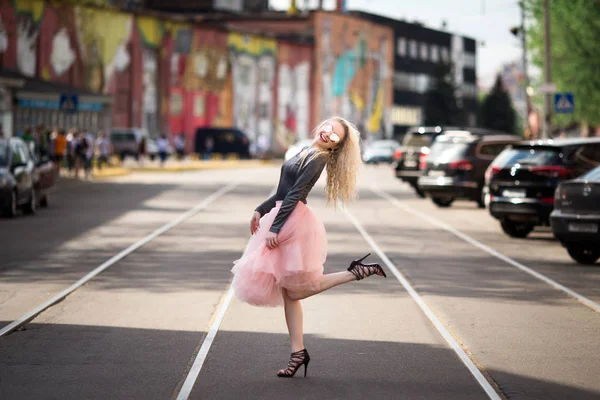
(3, 153)
(447, 150)
(527, 156)
(416, 139)
(593, 175)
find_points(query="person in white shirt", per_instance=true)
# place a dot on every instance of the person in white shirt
(102, 149)
(163, 148)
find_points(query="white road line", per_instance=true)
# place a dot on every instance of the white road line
(584, 300)
(190, 379)
(485, 385)
(60, 296)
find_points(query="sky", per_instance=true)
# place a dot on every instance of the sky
(486, 21)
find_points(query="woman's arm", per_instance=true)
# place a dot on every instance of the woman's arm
(304, 183)
(266, 205)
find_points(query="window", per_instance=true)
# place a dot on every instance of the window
(424, 52)
(469, 60)
(401, 81)
(445, 54)
(413, 49)
(401, 47)
(586, 158)
(435, 55)
(406, 115)
(491, 150)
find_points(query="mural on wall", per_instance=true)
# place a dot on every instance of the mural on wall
(27, 35)
(293, 89)
(253, 75)
(200, 81)
(353, 69)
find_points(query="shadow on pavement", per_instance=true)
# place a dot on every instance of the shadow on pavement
(101, 362)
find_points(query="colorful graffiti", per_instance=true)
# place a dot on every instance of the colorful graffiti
(353, 70)
(293, 91)
(200, 82)
(253, 74)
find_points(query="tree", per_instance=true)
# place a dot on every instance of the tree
(575, 29)
(496, 110)
(441, 107)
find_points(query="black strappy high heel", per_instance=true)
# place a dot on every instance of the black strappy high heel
(362, 271)
(297, 359)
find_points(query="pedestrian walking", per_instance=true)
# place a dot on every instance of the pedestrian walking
(71, 148)
(163, 148)
(209, 143)
(142, 148)
(180, 146)
(103, 149)
(283, 262)
(81, 150)
(59, 147)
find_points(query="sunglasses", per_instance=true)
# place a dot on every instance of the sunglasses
(334, 136)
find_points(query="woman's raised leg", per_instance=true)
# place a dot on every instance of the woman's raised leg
(327, 282)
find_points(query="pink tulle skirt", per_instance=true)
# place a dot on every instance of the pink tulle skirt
(295, 264)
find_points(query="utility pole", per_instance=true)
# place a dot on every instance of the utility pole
(525, 74)
(547, 72)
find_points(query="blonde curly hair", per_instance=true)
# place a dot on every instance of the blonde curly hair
(343, 163)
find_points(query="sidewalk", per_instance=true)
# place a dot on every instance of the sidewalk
(129, 166)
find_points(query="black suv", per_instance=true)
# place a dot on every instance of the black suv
(455, 167)
(521, 181)
(415, 146)
(576, 217)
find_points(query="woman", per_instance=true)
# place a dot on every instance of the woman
(283, 262)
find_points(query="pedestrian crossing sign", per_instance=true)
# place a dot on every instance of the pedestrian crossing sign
(68, 103)
(564, 103)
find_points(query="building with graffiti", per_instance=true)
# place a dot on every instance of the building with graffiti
(272, 75)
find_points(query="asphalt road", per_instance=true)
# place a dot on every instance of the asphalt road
(461, 311)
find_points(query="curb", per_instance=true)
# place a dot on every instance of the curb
(112, 172)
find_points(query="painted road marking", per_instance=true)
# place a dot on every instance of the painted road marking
(582, 299)
(485, 385)
(60, 296)
(192, 376)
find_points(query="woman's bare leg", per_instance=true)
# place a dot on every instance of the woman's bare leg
(294, 320)
(327, 282)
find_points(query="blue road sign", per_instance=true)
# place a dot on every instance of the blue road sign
(564, 103)
(68, 103)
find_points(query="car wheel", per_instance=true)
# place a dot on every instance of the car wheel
(480, 199)
(31, 205)
(516, 229)
(44, 201)
(419, 192)
(11, 209)
(442, 201)
(583, 254)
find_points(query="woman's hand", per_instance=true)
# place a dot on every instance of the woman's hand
(254, 222)
(271, 240)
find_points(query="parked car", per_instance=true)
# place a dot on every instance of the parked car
(125, 141)
(575, 219)
(45, 176)
(296, 148)
(380, 151)
(521, 181)
(455, 167)
(415, 147)
(225, 141)
(23, 180)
